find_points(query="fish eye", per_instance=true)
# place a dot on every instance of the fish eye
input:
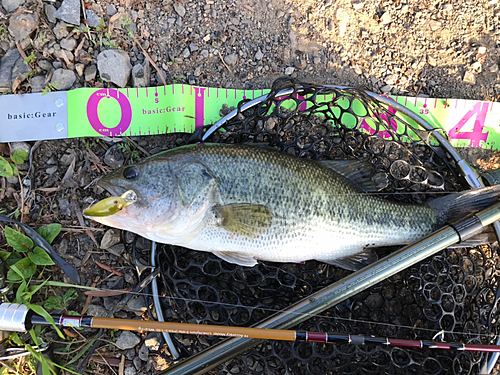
(130, 173)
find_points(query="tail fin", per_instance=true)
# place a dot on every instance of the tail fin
(458, 205)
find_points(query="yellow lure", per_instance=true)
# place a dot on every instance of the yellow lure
(111, 205)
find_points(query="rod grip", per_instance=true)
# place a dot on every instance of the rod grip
(13, 317)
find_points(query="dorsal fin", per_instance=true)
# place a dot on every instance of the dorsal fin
(360, 173)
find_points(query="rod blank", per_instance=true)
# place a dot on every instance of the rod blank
(20, 321)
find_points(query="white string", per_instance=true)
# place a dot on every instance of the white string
(327, 317)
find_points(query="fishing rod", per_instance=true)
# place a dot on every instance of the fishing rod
(17, 317)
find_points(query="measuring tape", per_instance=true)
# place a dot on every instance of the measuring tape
(89, 112)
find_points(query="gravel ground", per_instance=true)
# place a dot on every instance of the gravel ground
(430, 48)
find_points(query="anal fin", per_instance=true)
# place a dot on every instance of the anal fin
(354, 262)
(241, 259)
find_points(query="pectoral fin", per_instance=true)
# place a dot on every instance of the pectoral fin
(238, 258)
(354, 262)
(243, 218)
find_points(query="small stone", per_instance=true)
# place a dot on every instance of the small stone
(19, 68)
(61, 53)
(385, 89)
(79, 69)
(64, 207)
(405, 9)
(280, 13)
(144, 353)
(357, 4)
(57, 65)
(68, 44)
(53, 169)
(97, 310)
(193, 47)
(477, 66)
(386, 18)
(179, 9)
(153, 342)
(137, 304)
(90, 72)
(235, 21)
(38, 85)
(204, 53)
(137, 362)
(159, 363)
(432, 61)
(21, 25)
(342, 17)
(110, 10)
(6, 65)
(434, 25)
(60, 30)
(114, 66)
(129, 276)
(141, 75)
(391, 79)
(357, 70)
(127, 340)
(114, 157)
(111, 237)
(92, 18)
(231, 59)
(67, 158)
(481, 50)
(259, 55)
(130, 371)
(45, 65)
(69, 12)
(191, 80)
(197, 71)
(117, 249)
(12, 5)
(493, 68)
(469, 77)
(289, 70)
(63, 79)
(21, 146)
(49, 13)
(447, 7)
(185, 53)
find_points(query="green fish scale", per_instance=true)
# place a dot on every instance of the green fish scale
(317, 214)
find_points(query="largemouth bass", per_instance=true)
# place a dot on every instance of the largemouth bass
(246, 203)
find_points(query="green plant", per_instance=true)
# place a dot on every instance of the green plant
(127, 22)
(30, 59)
(3, 33)
(23, 264)
(9, 169)
(178, 78)
(50, 87)
(81, 29)
(101, 27)
(126, 148)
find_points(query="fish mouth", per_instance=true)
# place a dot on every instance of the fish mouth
(112, 189)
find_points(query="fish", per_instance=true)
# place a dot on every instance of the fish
(247, 204)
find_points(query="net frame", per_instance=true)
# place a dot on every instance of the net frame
(427, 288)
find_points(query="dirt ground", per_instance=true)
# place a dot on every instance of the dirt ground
(434, 49)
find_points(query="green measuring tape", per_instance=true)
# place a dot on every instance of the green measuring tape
(89, 112)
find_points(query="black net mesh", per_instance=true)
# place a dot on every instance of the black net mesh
(455, 291)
